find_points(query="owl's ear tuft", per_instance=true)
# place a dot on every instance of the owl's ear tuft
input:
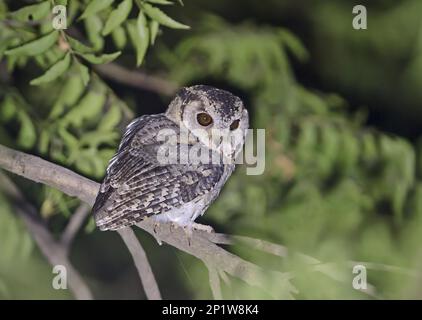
(183, 94)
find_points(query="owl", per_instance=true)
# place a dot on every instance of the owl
(141, 182)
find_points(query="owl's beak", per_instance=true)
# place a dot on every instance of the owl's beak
(228, 146)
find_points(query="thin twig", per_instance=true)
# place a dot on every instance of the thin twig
(259, 244)
(214, 282)
(141, 262)
(282, 251)
(53, 250)
(136, 79)
(74, 224)
(385, 267)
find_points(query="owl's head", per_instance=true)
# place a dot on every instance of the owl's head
(214, 116)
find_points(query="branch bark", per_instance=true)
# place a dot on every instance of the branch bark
(39, 170)
(74, 224)
(215, 282)
(203, 245)
(141, 262)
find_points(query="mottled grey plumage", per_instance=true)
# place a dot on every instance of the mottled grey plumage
(137, 185)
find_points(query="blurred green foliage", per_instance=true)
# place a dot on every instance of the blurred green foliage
(17, 253)
(334, 188)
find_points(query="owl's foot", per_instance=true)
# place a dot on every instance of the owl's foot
(173, 225)
(195, 226)
(156, 225)
(202, 227)
(188, 232)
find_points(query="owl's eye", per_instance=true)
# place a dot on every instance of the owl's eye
(204, 119)
(234, 125)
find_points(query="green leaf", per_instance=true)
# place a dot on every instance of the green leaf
(72, 10)
(27, 134)
(35, 47)
(111, 119)
(7, 109)
(97, 166)
(6, 42)
(83, 164)
(78, 46)
(69, 139)
(153, 28)
(294, 45)
(117, 16)
(102, 59)
(15, 244)
(69, 94)
(93, 27)
(119, 37)
(94, 7)
(89, 107)
(90, 225)
(83, 69)
(94, 138)
(54, 71)
(33, 12)
(44, 141)
(159, 16)
(139, 36)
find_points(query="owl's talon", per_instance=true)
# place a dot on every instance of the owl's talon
(173, 226)
(156, 225)
(188, 232)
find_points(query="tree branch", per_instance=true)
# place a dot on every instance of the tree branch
(58, 177)
(74, 224)
(141, 262)
(73, 184)
(54, 251)
(39, 170)
(203, 245)
(136, 79)
(214, 282)
(283, 252)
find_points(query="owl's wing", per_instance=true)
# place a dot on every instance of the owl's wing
(137, 185)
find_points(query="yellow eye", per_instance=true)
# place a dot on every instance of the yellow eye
(234, 125)
(204, 119)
